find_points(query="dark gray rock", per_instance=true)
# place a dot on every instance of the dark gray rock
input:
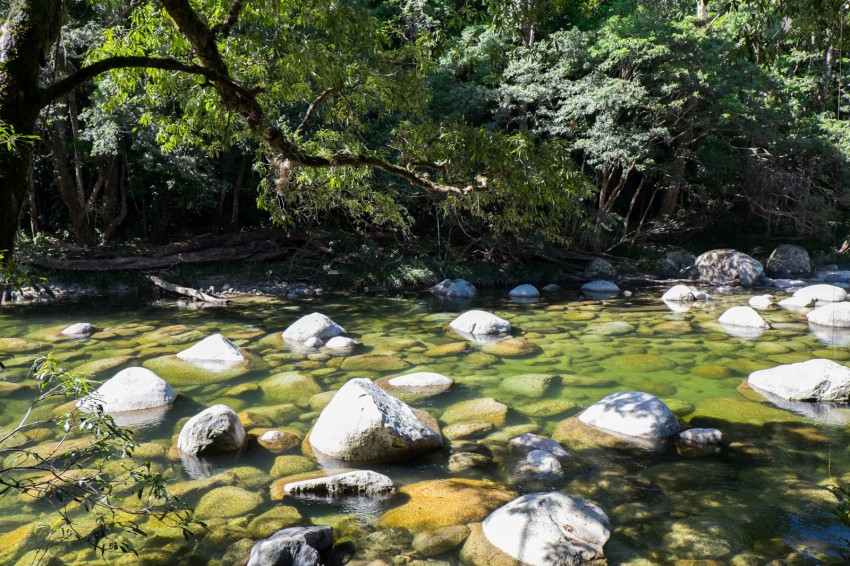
(789, 261)
(294, 546)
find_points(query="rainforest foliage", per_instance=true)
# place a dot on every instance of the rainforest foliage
(501, 122)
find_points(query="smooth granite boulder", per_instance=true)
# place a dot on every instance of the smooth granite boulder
(542, 529)
(524, 292)
(132, 389)
(353, 483)
(632, 413)
(728, 267)
(216, 430)
(788, 261)
(213, 352)
(743, 316)
(815, 380)
(314, 325)
(293, 546)
(480, 323)
(821, 292)
(363, 423)
(600, 288)
(78, 330)
(454, 289)
(679, 294)
(835, 315)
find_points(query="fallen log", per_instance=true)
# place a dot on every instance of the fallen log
(185, 291)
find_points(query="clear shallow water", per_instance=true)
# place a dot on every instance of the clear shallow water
(758, 500)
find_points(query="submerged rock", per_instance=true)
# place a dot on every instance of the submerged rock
(529, 442)
(485, 409)
(541, 462)
(132, 389)
(510, 348)
(439, 541)
(417, 386)
(362, 423)
(373, 362)
(215, 430)
(815, 380)
(439, 503)
(454, 289)
(480, 323)
(228, 501)
(728, 267)
(278, 440)
(528, 384)
(314, 325)
(632, 413)
(542, 529)
(600, 287)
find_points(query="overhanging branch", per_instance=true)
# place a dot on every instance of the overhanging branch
(69, 83)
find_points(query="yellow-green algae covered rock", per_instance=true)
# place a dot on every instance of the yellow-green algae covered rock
(373, 362)
(451, 349)
(268, 523)
(510, 348)
(439, 503)
(179, 372)
(227, 501)
(485, 409)
(289, 387)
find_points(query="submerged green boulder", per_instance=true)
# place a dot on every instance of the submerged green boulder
(510, 348)
(227, 501)
(289, 387)
(640, 363)
(179, 372)
(484, 409)
(373, 362)
(528, 384)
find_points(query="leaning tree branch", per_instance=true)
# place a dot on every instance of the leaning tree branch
(68, 84)
(223, 29)
(314, 105)
(242, 100)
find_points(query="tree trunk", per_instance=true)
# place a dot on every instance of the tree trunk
(31, 27)
(702, 10)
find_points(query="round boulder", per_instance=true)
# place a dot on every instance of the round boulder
(789, 261)
(676, 264)
(524, 292)
(315, 325)
(480, 323)
(679, 294)
(363, 423)
(743, 316)
(821, 292)
(340, 344)
(835, 315)
(632, 413)
(540, 529)
(78, 330)
(132, 389)
(728, 267)
(600, 269)
(215, 350)
(357, 482)
(600, 287)
(815, 380)
(216, 430)
(454, 289)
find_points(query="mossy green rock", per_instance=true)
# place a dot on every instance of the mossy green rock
(268, 523)
(546, 408)
(440, 541)
(290, 465)
(485, 409)
(320, 400)
(227, 501)
(172, 335)
(480, 360)
(578, 316)
(289, 387)
(678, 407)
(17, 346)
(179, 372)
(510, 348)
(440, 503)
(452, 349)
(614, 328)
(737, 410)
(103, 365)
(639, 363)
(746, 367)
(467, 429)
(771, 348)
(708, 371)
(373, 362)
(528, 384)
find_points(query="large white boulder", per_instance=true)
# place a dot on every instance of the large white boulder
(728, 267)
(216, 430)
(815, 380)
(743, 316)
(357, 482)
(524, 292)
(835, 315)
(363, 423)
(542, 529)
(314, 325)
(480, 323)
(632, 413)
(679, 294)
(822, 292)
(422, 379)
(454, 289)
(213, 351)
(131, 389)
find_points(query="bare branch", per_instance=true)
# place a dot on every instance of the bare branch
(313, 105)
